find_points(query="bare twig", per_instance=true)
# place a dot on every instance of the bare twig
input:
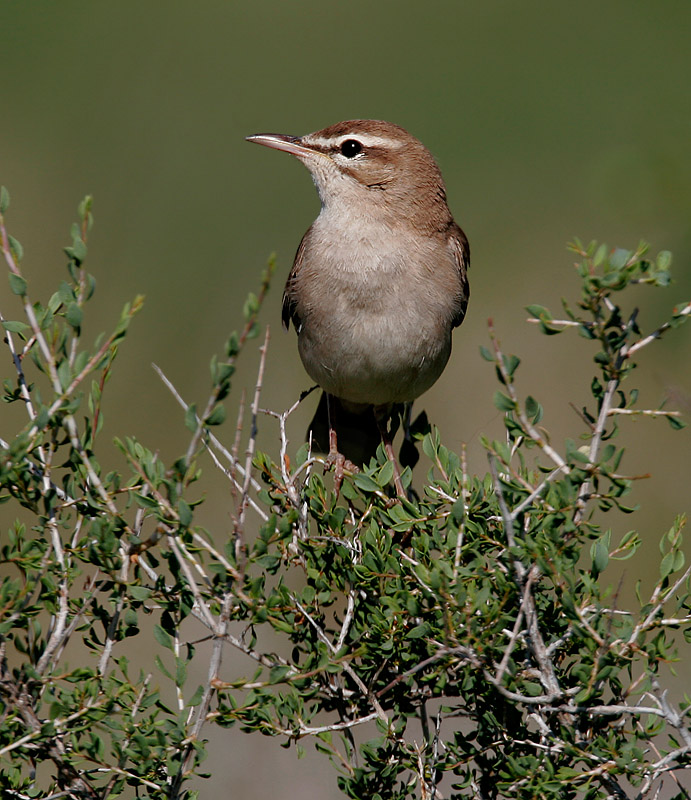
(212, 440)
(520, 508)
(305, 730)
(526, 424)
(644, 412)
(461, 528)
(346, 666)
(526, 578)
(251, 445)
(656, 334)
(565, 323)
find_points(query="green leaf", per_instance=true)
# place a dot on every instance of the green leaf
(419, 631)
(664, 260)
(4, 199)
(16, 247)
(145, 501)
(78, 249)
(66, 293)
(503, 402)
(15, 327)
(540, 312)
(233, 345)
(217, 416)
(429, 447)
(191, 418)
(662, 278)
(365, 483)
(385, 474)
(301, 455)
(619, 258)
(510, 364)
(600, 555)
(279, 673)
(85, 206)
(220, 372)
(533, 409)
(549, 330)
(600, 254)
(161, 666)
(458, 511)
(180, 672)
(140, 592)
(251, 306)
(580, 454)
(17, 284)
(163, 637)
(64, 374)
(607, 452)
(627, 547)
(74, 315)
(185, 514)
(667, 564)
(196, 698)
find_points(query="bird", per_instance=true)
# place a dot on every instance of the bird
(378, 284)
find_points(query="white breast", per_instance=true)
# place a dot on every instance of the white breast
(375, 329)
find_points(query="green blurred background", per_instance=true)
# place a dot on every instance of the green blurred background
(549, 120)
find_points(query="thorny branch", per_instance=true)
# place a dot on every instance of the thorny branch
(210, 440)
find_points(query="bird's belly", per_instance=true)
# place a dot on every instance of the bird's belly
(375, 321)
(377, 358)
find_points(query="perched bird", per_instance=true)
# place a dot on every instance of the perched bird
(379, 280)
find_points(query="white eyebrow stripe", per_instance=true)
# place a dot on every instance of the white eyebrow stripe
(365, 139)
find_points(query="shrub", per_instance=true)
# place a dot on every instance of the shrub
(456, 644)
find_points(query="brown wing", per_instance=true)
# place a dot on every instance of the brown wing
(289, 311)
(461, 253)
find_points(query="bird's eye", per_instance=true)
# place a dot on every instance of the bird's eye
(350, 148)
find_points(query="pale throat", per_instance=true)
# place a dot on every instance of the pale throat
(366, 247)
(359, 237)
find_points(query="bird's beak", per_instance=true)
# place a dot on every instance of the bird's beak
(278, 141)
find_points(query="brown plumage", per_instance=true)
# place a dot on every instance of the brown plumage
(379, 280)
